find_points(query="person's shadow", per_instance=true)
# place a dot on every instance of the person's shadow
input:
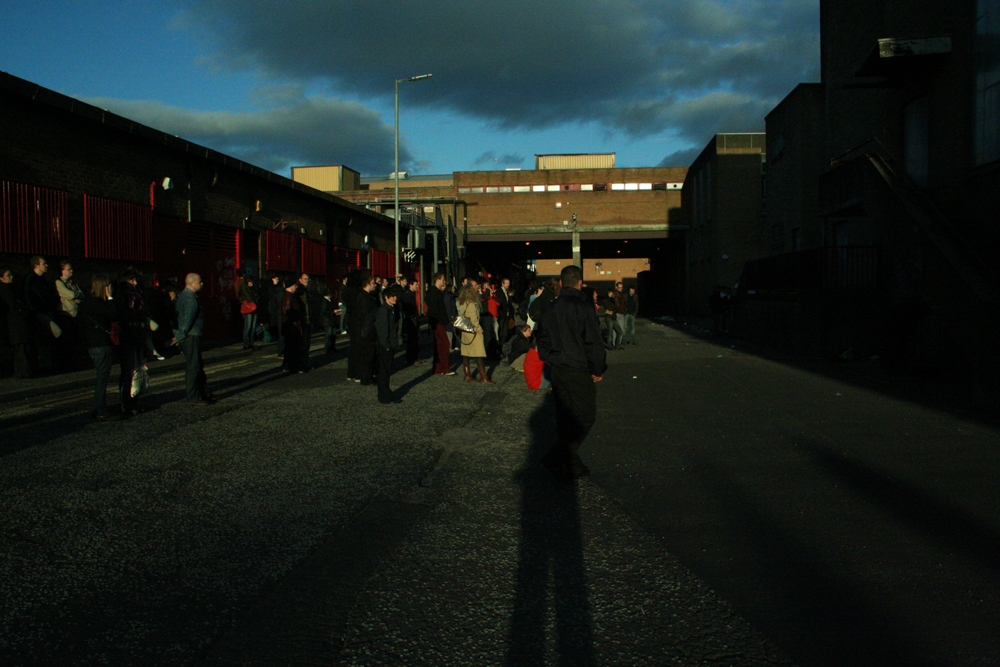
(552, 620)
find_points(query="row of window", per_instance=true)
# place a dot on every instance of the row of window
(571, 187)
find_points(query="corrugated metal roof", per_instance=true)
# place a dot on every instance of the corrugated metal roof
(576, 161)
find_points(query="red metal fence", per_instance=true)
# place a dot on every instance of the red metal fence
(313, 257)
(282, 252)
(33, 219)
(115, 229)
(383, 264)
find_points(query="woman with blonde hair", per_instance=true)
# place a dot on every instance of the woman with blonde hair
(473, 344)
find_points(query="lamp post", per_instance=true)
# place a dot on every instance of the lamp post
(395, 175)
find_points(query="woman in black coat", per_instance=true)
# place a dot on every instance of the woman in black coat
(97, 316)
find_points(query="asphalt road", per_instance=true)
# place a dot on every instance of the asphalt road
(742, 511)
(851, 516)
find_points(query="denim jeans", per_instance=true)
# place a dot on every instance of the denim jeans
(630, 329)
(249, 328)
(103, 359)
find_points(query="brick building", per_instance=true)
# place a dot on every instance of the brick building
(81, 183)
(883, 178)
(570, 208)
(722, 204)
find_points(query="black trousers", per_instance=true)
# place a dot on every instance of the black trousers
(385, 358)
(575, 394)
(412, 334)
(361, 359)
(194, 369)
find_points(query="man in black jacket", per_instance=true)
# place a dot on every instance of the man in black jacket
(437, 321)
(361, 356)
(570, 343)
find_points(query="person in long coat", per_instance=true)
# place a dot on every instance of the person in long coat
(361, 356)
(473, 344)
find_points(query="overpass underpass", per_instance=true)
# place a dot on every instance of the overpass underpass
(515, 255)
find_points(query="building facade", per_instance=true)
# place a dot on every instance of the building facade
(722, 204)
(893, 160)
(81, 183)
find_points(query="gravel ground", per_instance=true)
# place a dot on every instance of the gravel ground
(298, 522)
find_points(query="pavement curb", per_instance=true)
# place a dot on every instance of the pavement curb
(85, 378)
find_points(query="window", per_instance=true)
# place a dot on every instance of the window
(915, 144)
(777, 237)
(538, 188)
(587, 187)
(522, 188)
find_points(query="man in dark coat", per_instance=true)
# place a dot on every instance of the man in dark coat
(190, 326)
(570, 343)
(361, 356)
(308, 316)
(276, 293)
(411, 328)
(17, 326)
(292, 326)
(437, 321)
(386, 329)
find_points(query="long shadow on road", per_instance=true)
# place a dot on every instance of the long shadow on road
(551, 579)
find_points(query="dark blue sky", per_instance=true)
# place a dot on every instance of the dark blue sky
(296, 82)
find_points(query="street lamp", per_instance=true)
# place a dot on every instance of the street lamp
(395, 174)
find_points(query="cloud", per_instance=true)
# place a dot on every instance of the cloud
(490, 158)
(681, 158)
(525, 64)
(292, 129)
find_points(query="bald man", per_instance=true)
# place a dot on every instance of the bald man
(190, 323)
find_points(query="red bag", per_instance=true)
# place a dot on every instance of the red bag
(248, 307)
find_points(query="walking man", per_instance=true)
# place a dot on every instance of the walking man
(631, 310)
(190, 324)
(570, 343)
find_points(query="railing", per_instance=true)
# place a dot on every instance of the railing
(33, 219)
(115, 229)
(964, 256)
(829, 270)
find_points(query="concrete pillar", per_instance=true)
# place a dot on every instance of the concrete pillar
(577, 258)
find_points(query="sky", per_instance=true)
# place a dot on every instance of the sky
(282, 83)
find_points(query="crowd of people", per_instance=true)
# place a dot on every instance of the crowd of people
(123, 320)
